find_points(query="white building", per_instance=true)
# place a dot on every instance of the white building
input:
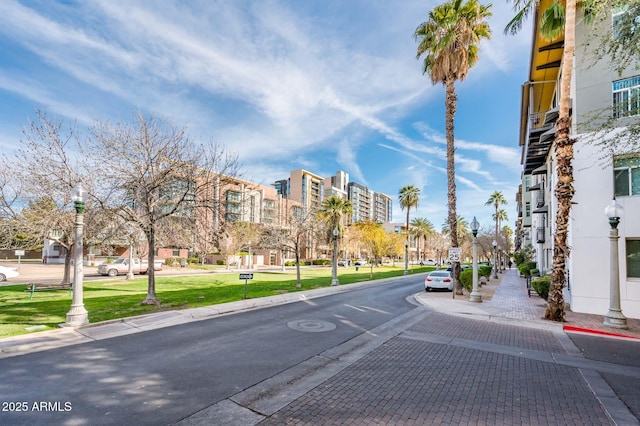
(600, 172)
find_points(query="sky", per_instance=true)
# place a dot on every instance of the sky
(320, 85)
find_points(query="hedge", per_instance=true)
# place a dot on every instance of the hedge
(541, 286)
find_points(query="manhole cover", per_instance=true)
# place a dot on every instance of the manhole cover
(311, 326)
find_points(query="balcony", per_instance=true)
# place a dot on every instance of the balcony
(540, 199)
(540, 235)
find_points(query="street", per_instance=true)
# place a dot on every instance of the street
(376, 353)
(164, 375)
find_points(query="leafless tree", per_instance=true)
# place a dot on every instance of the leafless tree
(150, 170)
(293, 234)
(238, 235)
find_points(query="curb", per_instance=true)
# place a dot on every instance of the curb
(581, 330)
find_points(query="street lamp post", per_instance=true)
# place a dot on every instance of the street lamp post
(130, 271)
(334, 266)
(78, 315)
(475, 295)
(495, 260)
(500, 259)
(406, 257)
(614, 317)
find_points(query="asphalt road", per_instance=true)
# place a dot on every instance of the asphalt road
(165, 375)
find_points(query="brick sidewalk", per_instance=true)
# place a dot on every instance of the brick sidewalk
(511, 296)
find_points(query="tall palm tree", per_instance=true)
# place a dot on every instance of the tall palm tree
(461, 224)
(333, 210)
(421, 228)
(409, 196)
(563, 145)
(496, 199)
(500, 216)
(449, 41)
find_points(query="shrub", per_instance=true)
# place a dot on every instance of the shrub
(169, 261)
(293, 263)
(541, 286)
(484, 271)
(535, 272)
(321, 262)
(466, 278)
(193, 260)
(220, 262)
(531, 266)
(524, 270)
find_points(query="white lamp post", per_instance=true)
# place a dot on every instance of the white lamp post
(130, 271)
(495, 261)
(475, 295)
(406, 257)
(78, 315)
(614, 317)
(334, 265)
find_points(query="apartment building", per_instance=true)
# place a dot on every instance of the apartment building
(601, 172)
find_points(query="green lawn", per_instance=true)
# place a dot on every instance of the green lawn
(113, 299)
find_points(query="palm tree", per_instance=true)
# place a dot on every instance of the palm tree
(421, 228)
(500, 216)
(332, 211)
(409, 196)
(461, 224)
(496, 199)
(563, 143)
(449, 42)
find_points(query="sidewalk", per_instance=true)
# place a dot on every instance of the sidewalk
(457, 362)
(506, 300)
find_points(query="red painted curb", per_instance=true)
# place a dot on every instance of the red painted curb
(600, 332)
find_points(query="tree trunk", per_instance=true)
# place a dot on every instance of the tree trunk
(298, 281)
(66, 279)
(564, 187)
(450, 106)
(151, 298)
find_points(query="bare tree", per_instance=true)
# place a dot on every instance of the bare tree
(238, 235)
(299, 224)
(48, 170)
(150, 170)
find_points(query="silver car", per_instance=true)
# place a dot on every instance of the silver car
(438, 280)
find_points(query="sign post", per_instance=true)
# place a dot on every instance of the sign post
(246, 277)
(19, 253)
(455, 253)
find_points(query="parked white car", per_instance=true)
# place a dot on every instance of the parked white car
(438, 280)
(6, 273)
(121, 266)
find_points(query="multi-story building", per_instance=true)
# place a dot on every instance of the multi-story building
(601, 172)
(368, 204)
(306, 187)
(336, 185)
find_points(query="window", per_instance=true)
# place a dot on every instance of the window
(625, 22)
(626, 175)
(633, 258)
(626, 97)
(527, 209)
(176, 252)
(527, 182)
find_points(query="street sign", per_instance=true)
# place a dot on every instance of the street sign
(19, 252)
(455, 253)
(246, 276)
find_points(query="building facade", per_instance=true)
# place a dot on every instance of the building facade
(601, 171)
